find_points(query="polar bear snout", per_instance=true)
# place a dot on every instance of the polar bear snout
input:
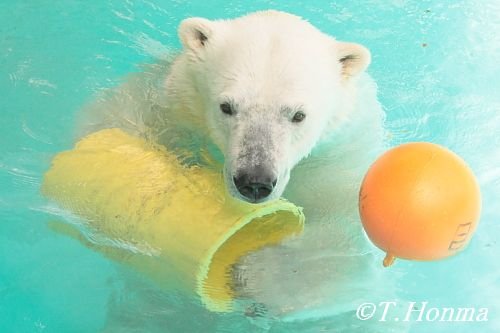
(256, 184)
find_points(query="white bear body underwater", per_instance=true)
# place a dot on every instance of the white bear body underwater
(268, 67)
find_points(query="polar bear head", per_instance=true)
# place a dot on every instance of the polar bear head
(271, 86)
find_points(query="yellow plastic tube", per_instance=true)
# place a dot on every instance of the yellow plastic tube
(175, 224)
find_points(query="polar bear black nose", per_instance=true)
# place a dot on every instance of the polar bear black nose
(255, 185)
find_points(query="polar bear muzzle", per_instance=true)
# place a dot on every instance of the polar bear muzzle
(255, 184)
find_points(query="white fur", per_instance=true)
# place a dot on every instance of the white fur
(269, 64)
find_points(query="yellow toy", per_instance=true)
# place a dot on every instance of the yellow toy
(175, 224)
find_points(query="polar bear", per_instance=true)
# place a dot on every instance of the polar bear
(289, 112)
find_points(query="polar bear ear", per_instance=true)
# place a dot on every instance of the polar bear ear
(195, 32)
(354, 58)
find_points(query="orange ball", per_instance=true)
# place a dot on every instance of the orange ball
(419, 201)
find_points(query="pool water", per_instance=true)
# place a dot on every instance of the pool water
(437, 67)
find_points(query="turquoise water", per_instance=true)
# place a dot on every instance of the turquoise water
(437, 67)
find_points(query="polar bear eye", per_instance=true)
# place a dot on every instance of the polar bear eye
(298, 117)
(226, 108)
